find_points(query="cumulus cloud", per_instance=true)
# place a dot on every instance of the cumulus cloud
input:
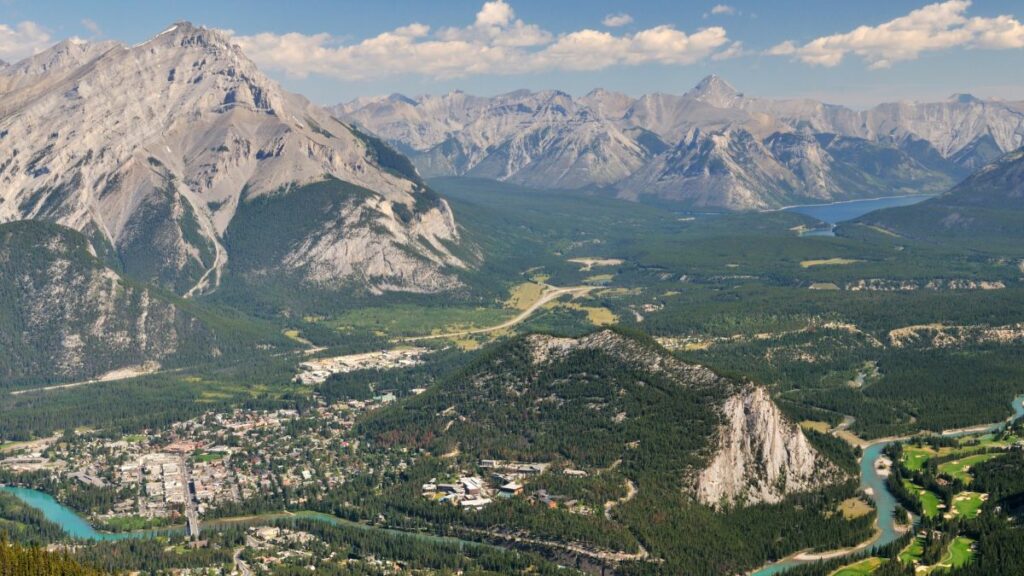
(495, 43)
(22, 40)
(616, 20)
(934, 27)
(735, 50)
(723, 9)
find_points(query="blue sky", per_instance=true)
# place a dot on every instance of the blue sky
(849, 52)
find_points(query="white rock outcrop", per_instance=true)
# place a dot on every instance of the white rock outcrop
(762, 456)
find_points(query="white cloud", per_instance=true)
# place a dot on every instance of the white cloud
(617, 20)
(934, 27)
(723, 9)
(22, 40)
(495, 43)
(91, 25)
(735, 50)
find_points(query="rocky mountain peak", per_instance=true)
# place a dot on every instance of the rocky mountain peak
(155, 147)
(715, 91)
(966, 99)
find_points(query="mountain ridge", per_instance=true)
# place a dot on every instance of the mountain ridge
(625, 144)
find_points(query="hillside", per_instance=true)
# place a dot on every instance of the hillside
(17, 560)
(66, 316)
(152, 150)
(604, 398)
(985, 210)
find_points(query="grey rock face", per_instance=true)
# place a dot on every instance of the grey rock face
(155, 146)
(749, 153)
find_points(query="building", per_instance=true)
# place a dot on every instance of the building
(511, 489)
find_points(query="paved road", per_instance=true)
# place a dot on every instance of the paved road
(550, 293)
(240, 564)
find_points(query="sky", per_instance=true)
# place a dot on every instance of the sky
(857, 53)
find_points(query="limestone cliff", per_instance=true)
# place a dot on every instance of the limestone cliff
(762, 456)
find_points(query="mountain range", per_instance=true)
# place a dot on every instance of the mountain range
(157, 152)
(712, 147)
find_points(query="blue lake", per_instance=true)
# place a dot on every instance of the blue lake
(837, 212)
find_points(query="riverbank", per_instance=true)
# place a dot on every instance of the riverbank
(876, 487)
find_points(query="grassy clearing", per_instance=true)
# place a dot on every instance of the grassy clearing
(296, 336)
(865, 566)
(960, 468)
(524, 295)
(854, 508)
(406, 320)
(968, 504)
(828, 262)
(815, 425)
(599, 279)
(466, 344)
(208, 456)
(596, 315)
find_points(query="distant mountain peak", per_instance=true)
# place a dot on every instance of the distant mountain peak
(715, 91)
(397, 97)
(965, 98)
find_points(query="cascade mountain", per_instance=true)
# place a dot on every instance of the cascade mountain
(157, 151)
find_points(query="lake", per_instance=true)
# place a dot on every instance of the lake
(837, 212)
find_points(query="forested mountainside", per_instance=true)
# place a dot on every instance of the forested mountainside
(17, 560)
(160, 178)
(712, 147)
(65, 315)
(987, 208)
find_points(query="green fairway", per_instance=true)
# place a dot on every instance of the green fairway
(960, 469)
(866, 566)
(959, 552)
(914, 457)
(928, 499)
(912, 552)
(968, 504)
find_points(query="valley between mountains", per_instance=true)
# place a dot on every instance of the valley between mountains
(532, 333)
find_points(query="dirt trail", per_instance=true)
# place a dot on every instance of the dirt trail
(630, 494)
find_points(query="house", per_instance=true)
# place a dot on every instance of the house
(472, 485)
(511, 489)
(448, 488)
(476, 503)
